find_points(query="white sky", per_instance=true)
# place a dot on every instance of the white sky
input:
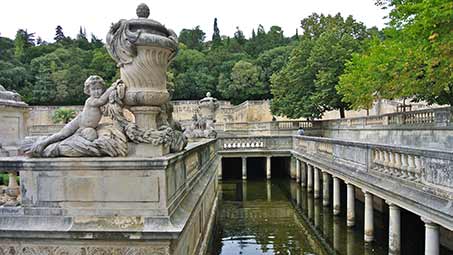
(42, 16)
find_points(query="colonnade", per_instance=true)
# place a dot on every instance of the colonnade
(309, 177)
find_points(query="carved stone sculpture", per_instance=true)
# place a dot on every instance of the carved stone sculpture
(143, 48)
(204, 119)
(10, 97)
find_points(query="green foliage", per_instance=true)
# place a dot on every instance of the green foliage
(192, 38)
(413, 60)
(244, 84)
(305, 87)
(63, 115)
(54, 73)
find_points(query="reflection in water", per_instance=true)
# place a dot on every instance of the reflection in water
(278, 217)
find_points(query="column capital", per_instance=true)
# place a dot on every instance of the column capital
(429, 223)
(366, 191)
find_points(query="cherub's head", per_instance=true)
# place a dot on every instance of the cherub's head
(94, 86)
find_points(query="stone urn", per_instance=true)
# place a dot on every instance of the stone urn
(143, 48)
(208, 107)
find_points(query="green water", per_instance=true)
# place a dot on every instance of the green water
(278, 217)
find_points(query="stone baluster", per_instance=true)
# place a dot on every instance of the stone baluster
(404, 166)
(376, 159)
(13, 190)
(397, 164)
(418, 168)
(391, 162)
(386, 162)
(411, 167)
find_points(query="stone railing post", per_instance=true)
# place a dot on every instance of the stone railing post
(13, 190)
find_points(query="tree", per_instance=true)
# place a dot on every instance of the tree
(216, 39)
(328, 43)
(244, 84)
(192, 38)
(22, 42)
(413, 59)
(59, 35)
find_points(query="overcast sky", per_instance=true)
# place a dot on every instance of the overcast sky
(42, 16)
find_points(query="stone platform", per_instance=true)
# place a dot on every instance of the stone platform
(112, 205)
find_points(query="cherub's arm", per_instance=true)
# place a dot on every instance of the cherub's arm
(102, 100)
(68, 130)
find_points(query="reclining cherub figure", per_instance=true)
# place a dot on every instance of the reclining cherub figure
(80, 136)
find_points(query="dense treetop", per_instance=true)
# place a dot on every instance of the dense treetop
(53, 73)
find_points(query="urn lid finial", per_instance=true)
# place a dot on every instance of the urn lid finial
(142, 11)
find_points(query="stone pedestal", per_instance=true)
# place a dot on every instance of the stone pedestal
(80, 202)
(146, 116)
(146, 150)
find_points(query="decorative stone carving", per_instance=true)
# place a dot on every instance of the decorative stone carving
(10, 97)
(204, 119)
(81, 250)
(142, 48)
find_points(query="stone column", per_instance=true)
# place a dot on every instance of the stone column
(268, 168)
(394, 229)
(244, 168)
(325, 189)
(369, 217)
(219, 173)
(303, 174)
(317, 182)
(336, 196)
(350, 210)
(310, 178)
(431, 237)
(297, 170)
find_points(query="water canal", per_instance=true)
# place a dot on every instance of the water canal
(279, 217)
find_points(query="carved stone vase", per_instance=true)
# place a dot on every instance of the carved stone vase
(143, 48)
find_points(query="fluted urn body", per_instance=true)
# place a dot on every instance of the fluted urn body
(143, 48)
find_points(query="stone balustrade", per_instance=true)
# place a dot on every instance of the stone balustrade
(247, 143)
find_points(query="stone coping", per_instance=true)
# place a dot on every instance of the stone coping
(22, 163)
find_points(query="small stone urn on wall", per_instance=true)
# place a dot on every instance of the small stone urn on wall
(143, 48)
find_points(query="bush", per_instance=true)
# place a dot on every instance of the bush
(63, 115)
